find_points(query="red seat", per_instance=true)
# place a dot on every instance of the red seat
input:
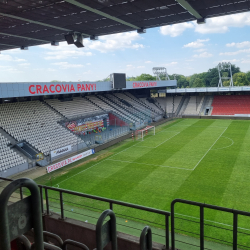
(231, 105)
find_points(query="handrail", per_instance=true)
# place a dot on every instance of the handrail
(202, 206)
(110, 201)
(146, 239)
(36, 217)
(154, 210)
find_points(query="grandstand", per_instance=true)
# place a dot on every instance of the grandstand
(39, 122)
(190, 158)
(35, 122)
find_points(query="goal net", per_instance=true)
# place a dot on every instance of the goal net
(140, 134)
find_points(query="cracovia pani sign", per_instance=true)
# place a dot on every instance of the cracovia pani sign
(61, 88)
(70, 88)
(22, 89)
(144, 84)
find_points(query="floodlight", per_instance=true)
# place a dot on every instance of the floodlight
(69, 38)
(201, 21)
(53, 43)
(93, 38)
(79, 41)
(141, 31)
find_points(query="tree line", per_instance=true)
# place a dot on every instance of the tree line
(205, 79)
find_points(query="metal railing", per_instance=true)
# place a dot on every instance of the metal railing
(49, 193)
(60, 205)
(202, 224)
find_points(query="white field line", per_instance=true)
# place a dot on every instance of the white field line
(121, 152)
(199, 126)
(150, 164)
(97, 164)
(220, 223)
(78, 173)
(210, 148)
(160, 143)
(226, 146)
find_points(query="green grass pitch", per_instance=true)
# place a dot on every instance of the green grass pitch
(194, 159)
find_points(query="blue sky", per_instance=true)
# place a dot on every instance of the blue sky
(185, 49)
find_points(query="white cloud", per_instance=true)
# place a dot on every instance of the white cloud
(212, 25)
(228, 60)
(222, 24)
(63, 51)
(114, 42)
(203, 55)
(51, 69)
(66, 65)
(245, 61)
(19, 60)
(235, 52)
(140, 67)
(239, 45)
(24, 64)
(148, 62)
(171, 64)
(197, 44)
(200, 50)
(87, 72)
(5, 57)
(175, 29)
(9, 69)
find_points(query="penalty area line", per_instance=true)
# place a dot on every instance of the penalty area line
(160, 143)
(210, 148)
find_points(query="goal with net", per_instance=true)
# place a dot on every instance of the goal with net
(140, 134)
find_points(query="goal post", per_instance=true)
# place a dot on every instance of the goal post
(140, 134)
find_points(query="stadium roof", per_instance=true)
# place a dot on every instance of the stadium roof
(26, 23)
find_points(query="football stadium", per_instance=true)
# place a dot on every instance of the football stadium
(121, 164)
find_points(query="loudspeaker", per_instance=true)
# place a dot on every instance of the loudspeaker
(118, 80)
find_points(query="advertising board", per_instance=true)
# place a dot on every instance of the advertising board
(60, 151)
(72, 159)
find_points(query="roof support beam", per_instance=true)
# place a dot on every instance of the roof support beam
(7, 45)
(83, 6)
(39, 23)
(191, 10)
(24, 37)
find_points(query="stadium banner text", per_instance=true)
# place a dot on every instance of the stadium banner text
(60, 151)
(69, 160)
(60, 88)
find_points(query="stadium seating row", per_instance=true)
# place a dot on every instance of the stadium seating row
(77, 107)
(131, 109)
(231, 105)
(8, 158)
(36, 123)
(170, 103)
(194, 105)
(80, 106)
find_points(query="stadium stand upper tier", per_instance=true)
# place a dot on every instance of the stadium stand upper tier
(231, 105)
(77, 107)
(169, 103)
(36, 123)
(194, 105)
